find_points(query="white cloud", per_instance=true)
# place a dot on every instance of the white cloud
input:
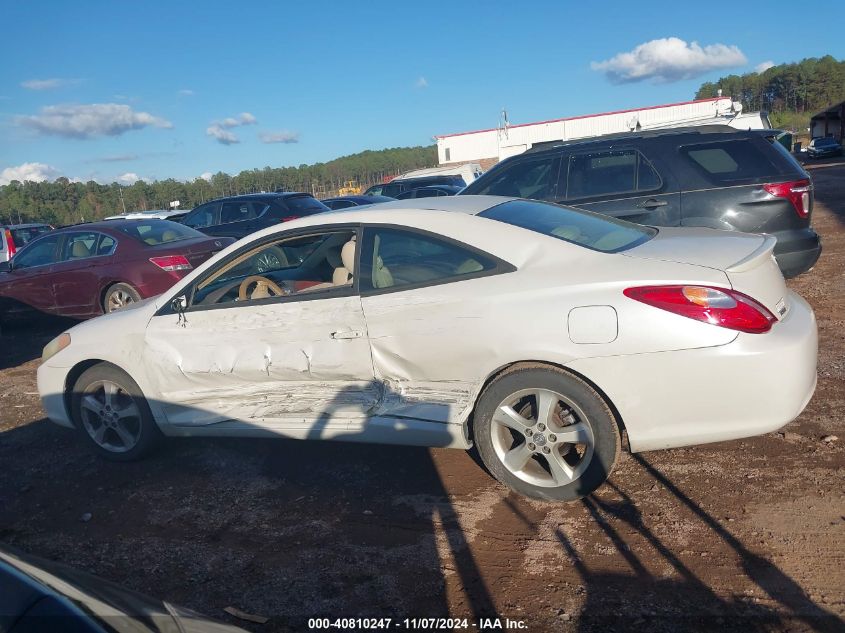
(283, 136)
(48, 84)
(421, 82)
(35, 172)
(206, 175)
(89, 121)
(129, 178)
(669, 59)
(224, 137)
(764, 66)
(219, 130)
(186, 92)
(244, 118)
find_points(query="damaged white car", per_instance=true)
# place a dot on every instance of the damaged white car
(536, 332)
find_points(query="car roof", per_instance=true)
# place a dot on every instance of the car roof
(642, 134)
(28, 225)
(361, 198)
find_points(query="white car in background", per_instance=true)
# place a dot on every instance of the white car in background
(533, 331)
(157, 214)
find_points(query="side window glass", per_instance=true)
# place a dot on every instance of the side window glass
(79, 246)
(393, 258)
(290, 266)
(200, 217)
(236, 212)
(39, 253)
(602, 173)
(527, 179)
(647, 177)
(106, 246)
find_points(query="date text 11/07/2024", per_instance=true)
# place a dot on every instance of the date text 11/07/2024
(417, 624)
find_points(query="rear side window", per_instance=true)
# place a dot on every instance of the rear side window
(594, 231)
(305, 205)
(608, 172)
(338, 204)
(393, 258)
(79, 246)
(239, 211)
(733, 161)
(524, 179)
(155, 232)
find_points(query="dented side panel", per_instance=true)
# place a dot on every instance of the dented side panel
(273, 361)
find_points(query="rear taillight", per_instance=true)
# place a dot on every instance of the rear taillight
(11, 243)
(172, 263)
(717, 306)
(796, 191)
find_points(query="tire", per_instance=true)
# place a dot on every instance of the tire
(119, 296)
(542, 464)
(96, 409)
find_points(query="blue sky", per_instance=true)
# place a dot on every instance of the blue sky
(188, 88)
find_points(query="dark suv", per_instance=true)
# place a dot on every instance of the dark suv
(239, 216)
(395, 187)
(713, 176)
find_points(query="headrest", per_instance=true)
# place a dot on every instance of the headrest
(347, 255)
(169, 236)
(79, 250)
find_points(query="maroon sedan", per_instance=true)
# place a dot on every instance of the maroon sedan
(85, 270)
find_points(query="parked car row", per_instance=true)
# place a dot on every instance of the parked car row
(15, 236)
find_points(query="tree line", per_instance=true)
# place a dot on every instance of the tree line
(64, 202)
(790, 93)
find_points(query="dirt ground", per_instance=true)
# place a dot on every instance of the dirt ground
(746, 535)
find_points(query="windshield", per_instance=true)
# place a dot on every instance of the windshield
(155, 232)
(583, 228)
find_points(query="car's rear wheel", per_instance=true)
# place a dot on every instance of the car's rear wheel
(545, 433)
(112, 414)
(119, 296)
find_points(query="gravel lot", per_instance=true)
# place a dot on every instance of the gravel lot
(746, 535)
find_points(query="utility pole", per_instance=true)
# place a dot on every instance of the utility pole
(122, 203)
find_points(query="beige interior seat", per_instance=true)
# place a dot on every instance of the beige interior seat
(79, 250)
(169, 236)
(382, 277)
(342, 274)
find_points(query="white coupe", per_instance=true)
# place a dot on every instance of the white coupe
(536, 332)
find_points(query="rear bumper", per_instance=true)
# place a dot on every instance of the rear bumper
(797, 251)
(753, 385)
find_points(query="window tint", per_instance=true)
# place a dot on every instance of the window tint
(304, 205)
(592, 230)
(79, 246)
(24, 236)
(39, 253)
(523, 179)
(728, 161)
(338, 204)
(607, 172)
(155, 232)
(290, 266)
(393, 258)
(201, 217)
(238, 211)
(106, 246)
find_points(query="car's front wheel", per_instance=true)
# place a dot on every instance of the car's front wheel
(112, 414)
(545, 433)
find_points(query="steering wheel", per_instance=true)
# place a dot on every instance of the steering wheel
(263, 288)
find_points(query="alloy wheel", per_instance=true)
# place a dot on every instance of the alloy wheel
(110, 416)
(542, 437)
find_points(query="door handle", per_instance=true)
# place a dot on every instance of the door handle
(651, 203)
(347, 334)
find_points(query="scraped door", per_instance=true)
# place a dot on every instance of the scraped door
(300, 368)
